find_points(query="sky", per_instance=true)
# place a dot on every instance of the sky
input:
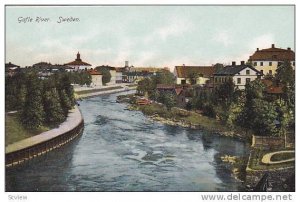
(162, 36)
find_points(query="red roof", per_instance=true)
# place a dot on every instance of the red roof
(178, 89)
(94, 72)
(78, 63)
(267, 82)
(275, 90)
(273, 54)
(185, 71)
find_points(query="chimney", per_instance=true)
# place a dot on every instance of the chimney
(126, 63)
(233, 63)
(242, 62)
(289, 48)
(273, 45)
(257, 49)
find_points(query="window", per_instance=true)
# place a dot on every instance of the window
(293, 63)
(183, 82)
(270, 71)
(261, 63)
(248, 80)
(255, 64)
(270, 63)
(262, 71)
(248, 72)
(238, 80)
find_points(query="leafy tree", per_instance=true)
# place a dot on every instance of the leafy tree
(65, 102)
(164, 77)
(106, 76)
(66, 87)
(264, 117)
(168, 99)
(145, 86)
(225, 93)
(52, 106)
(32, 115)
(285, 73)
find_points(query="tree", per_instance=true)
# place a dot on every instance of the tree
(65, 102)
(52, 106)
(106, 76)
(264, 118)
(145, 86)
(32, 115)
(168, 99)
(225, 93)
(164, 77)
(285, 73)
(65, 86)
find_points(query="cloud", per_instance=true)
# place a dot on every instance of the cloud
(262, 41)
(224, 38)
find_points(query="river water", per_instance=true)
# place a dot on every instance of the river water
(123, 150)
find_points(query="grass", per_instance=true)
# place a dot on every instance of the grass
(256, 164)
(282, 156)
(189, 117)
(97, 90)
(14, 131)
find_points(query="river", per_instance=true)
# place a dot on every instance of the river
(123, 150)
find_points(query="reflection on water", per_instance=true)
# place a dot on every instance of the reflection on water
(123, 150)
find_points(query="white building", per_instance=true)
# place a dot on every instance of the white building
(78, 64)
(96, 78)
(239, 74)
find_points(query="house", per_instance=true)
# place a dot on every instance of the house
(78, 64)
(273, 91)
(177, 90)
(134, 77)
(96, 78)
(239, 74)
(267, 60)
(193, 74)
(119, 74)
(149, 69)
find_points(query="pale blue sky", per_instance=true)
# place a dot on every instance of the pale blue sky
(147, 35)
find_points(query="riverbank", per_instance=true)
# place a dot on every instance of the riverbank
(184, 118)
(87, 92)
(21, 151)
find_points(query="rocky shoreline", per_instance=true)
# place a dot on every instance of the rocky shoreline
(185, 124)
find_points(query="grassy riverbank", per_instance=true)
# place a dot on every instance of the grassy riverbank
(191, 119)
(14, 131)
(98, 90)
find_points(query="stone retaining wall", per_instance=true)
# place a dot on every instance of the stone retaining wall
(32, 147)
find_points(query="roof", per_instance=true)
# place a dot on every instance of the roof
(177, 89)
(94, 72)
(274, 90)
(149, 69)
(234, 69)
(267, 82)
(185, 71)
(273, 54)
(120, 69)
(78, 63)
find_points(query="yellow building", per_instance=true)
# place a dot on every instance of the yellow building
(267, 60)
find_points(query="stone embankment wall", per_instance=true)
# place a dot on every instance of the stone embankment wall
(38, 145)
